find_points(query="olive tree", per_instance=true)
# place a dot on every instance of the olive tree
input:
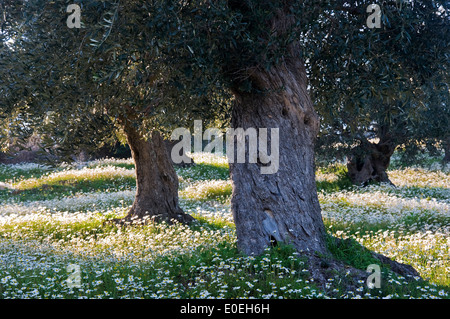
(382, 88)
(76, 86)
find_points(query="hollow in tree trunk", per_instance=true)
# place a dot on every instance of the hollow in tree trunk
(156, 180)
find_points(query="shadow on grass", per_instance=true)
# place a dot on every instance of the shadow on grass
(397, 280)
(343, 182)
(210, 223)
(8, 175)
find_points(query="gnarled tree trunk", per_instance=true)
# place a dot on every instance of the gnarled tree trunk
(446, 145)
(282, 206)
(156, 180)
(370, 163)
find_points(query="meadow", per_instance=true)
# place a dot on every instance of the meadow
(53, 217)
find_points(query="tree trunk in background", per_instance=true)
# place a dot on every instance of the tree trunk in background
(370, 163)
(156, 180)
(283, 206)
(446, 145)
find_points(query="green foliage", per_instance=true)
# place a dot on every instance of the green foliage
(161, 64)
(77, 87)
(389, 83)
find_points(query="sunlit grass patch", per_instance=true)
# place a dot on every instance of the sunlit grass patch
(214, 221)
(123, 163)
(208, 190)
(210, 158)
(420, 177)
(68, 183)
(86, 234)
(427, 251)
(425, 247)
(374, 207)
(74, 176)
(44, 226)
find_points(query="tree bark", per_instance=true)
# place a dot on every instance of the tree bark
(279, 207)
(156, 180)
(370, 163)
(282, 206)
(446, 145)
(169, 145)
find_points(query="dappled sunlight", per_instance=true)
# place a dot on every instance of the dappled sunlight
(72, 176)
(39, 237)
(420, 177)
(211, 189)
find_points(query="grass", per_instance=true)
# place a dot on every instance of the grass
(63, 183)
(11, 173)
(208, 190)
(55, 217)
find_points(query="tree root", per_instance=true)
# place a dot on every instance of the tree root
(323, 268)
(404, 270)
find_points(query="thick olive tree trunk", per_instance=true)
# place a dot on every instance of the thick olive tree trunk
(156, 180)
(370, 163)
(282, 206)
(279, 207)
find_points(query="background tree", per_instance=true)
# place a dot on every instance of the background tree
(77, 86)
(382, 88)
